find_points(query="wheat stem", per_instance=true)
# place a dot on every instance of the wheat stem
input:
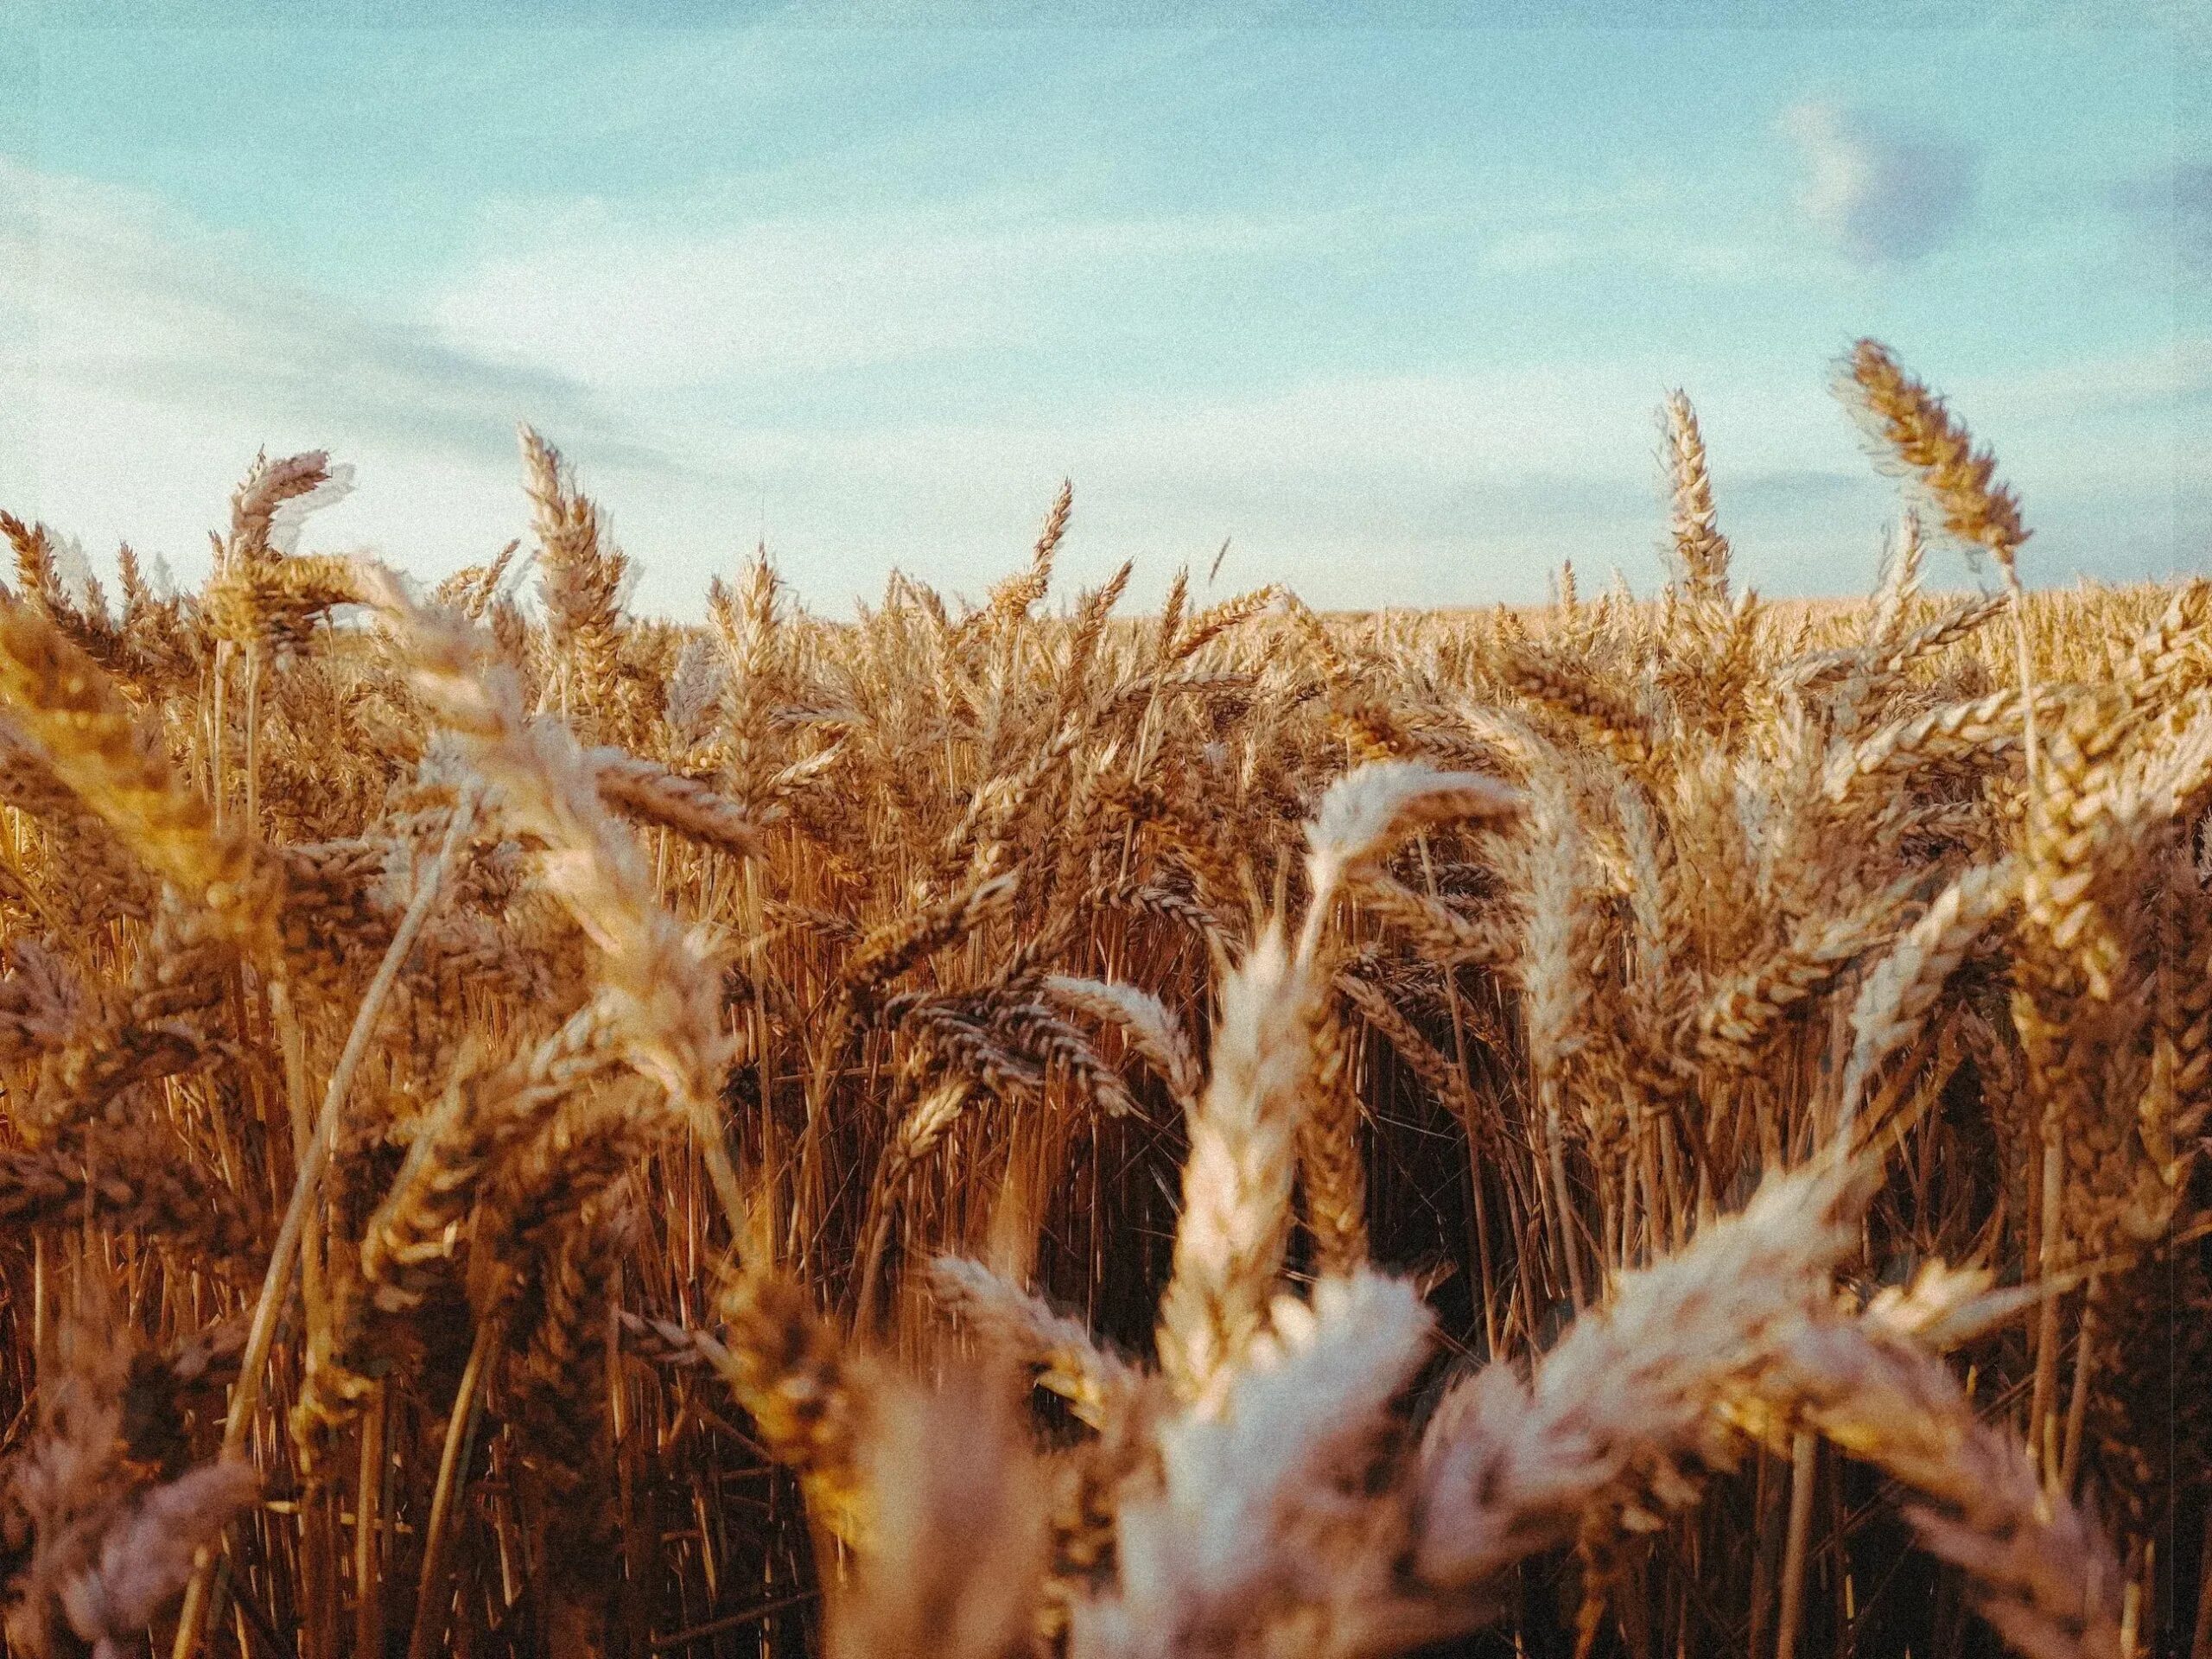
(1804, 1453)
(275, 1285)
(433, 1589)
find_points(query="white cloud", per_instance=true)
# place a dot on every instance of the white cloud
(614, 303)
(119, 293)
(1880, 192)
(143, 360)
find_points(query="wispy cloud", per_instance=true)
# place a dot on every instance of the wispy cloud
(143, 359)
(1881, 193)
(122, 298)
(610, 301)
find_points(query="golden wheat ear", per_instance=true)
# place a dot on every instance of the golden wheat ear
(1908, 427)
(1257, 1519)
(1372, 808)
(1236, 1180)
(805, 1392)
(581, 580)
(1507, 1468)
(1700, 551)
(110, 1543)
(663, 993)
(1099, 1386)
(57, 700)
(1153, 1029)
(2041, 1574)
(954, 1561)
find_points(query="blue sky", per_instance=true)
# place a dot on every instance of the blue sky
(1390, 308)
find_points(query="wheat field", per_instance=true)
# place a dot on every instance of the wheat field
(1662, 1127)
